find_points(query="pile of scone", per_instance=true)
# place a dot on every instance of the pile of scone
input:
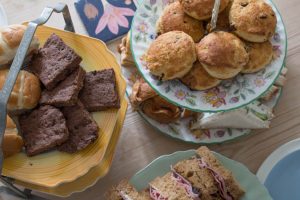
(186, 50)
(53, 97)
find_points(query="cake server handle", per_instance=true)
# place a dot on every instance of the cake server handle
(16, 67)
(215, 13)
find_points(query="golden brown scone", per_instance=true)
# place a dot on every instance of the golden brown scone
(141, 92)
(222, 54)
(160, 110)
(175, 19)
(260, 55)
(171, 55)
(10, 39)
(201, 9)
(253, 20)
(26, 92)
(199, 79)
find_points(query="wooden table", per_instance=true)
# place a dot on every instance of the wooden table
(140, 143)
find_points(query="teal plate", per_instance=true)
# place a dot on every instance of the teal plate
(160, 166)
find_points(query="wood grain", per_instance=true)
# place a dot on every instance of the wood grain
(140, 144)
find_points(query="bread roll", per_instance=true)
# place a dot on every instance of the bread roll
(26, 92)
(10, 38)
(12, 142)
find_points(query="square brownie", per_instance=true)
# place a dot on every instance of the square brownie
(43, 129)
(66, 92)
(100, 91)
(54, 62)
(82, 128)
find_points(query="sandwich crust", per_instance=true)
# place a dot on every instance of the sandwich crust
(260, 55)
(165, 55)
(222, 54)
(175, 19)
(141, 91)
(253, 20)
(199, 79)
(201, 9)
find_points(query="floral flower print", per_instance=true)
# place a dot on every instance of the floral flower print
(215, 97)
(259, 82)
(113, 17)
(277, 37)
(90, 11)
(142, 27)
(180, 94)
(128, 2)
(276, 51)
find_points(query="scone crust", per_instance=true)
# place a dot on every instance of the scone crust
(222, 54)
(201, 9)
(260, 55)
(164, 56)
(253, 20)
(199, 79)
(175, 19)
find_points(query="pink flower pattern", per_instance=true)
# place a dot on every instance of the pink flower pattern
(90, 11)
(113, 17)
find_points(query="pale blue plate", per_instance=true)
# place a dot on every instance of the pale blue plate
(281, 172)
(254, 189)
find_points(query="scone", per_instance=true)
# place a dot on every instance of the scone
(222, 54)
(253, 20)
(171, 55)
(175, 19)
(260, 55)
(201, 9)
(125, 51)
(199, 79)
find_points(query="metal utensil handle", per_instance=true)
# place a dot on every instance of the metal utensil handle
(16, 67)
(215, 13)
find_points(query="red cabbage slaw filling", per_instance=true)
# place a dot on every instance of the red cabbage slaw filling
(125, 196)
(218, 178)
(193, 192)
(155, 194)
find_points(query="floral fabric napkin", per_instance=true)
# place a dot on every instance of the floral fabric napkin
(106, 19)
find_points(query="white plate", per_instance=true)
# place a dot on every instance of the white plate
(230, 94)
(3, 18)
(280, 171)
(180, 129)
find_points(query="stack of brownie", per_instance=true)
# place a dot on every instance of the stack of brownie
(62, 120)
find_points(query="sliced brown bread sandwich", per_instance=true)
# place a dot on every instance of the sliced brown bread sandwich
(207, 175)
(172, 187)
(125, 191)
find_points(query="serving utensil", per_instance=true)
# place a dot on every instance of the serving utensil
(13, 74)
(215, 14)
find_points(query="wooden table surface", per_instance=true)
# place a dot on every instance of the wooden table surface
(139, 143)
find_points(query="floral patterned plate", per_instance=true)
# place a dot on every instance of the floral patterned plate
(230, 94)
(180, 129)
(160, 166)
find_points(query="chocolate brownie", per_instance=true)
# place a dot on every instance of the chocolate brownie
(54, 62)
(82, 127)
(66, 92)
(43, 129)
(100, 91)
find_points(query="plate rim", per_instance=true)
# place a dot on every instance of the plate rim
(275, 157)
(4, 15)
(212, 111)
(249, 131)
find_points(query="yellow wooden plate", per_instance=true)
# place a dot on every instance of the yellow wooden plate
(97, 172)
(53, 168)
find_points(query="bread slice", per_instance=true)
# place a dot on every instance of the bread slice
(168, 188)
(204, 172)
(214, 164)
(125, 191)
